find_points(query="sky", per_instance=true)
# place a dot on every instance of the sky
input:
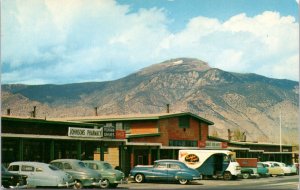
(71, 41)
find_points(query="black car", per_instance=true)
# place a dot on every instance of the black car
(11, 180)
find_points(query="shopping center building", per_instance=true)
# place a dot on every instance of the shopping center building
(123, 140)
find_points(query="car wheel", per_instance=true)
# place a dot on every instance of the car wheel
(139, 178)
(104, 183)
(246, 175)
(227, 176)
(78, 185)
(114, 185)
(183, 181)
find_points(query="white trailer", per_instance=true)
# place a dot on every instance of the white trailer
(211, 163)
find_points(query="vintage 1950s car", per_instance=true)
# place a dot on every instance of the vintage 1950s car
(83, 176)
(286, 170)
(110, 177)
(165, 170)
(12, 180)
(273, 171)
(41, 174)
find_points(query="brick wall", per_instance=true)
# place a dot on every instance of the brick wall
(143, 127)
(169, 130)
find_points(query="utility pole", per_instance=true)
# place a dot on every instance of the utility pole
(280, 131)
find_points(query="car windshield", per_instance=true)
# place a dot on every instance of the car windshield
(107, 166)
(3, 169)
(229, 158)
(53, 167)
(81, 165)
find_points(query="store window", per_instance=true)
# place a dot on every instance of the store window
(184, 122)
(187, 143)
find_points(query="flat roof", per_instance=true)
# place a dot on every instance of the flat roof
(131, 117)
(46, 121)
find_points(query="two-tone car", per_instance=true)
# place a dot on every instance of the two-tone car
(273, 170)
(262, 170)
(12, 180)
(83, 176)
(165, 170)
(41, 174)
(110, 177)
(286, 170)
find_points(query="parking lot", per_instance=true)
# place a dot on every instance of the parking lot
(281, 182)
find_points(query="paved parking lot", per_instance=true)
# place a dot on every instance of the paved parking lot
(283, 182)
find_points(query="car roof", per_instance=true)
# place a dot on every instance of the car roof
(29, 163)
(94, 161)
(65, 160)
(168, 160)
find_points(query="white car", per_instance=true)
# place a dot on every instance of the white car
(42, 174)
(287, 170)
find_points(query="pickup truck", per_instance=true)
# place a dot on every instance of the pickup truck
(248, 167)
(165, 170)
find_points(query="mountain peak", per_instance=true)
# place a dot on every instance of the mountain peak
(184, 64)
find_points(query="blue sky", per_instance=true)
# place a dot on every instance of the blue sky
(68, 41)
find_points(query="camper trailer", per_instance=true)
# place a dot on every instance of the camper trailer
(211, 163)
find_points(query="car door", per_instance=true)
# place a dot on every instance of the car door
(173, 169)
(42, 177)
(28, 170)
(159, 172)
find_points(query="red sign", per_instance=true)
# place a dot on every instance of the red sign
(201, 144)
(224, 145)
(120, 134)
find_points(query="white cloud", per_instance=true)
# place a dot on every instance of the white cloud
(73, 41)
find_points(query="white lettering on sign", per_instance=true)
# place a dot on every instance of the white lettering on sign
(83, 132)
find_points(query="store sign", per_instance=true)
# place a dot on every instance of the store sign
(224, 145)
(201, 144)
(84, 132)
(92, 133)
(109, 131)
(120, 134)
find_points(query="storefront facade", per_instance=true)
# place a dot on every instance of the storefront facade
(28, 139)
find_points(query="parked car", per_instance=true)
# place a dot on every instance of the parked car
(247, 173)
(165, 170)
(83, 176)
(286, 170)
(12, 180)
(273, 171)
(41, 174)
(110, 176)
(294, 169)
(262, 170)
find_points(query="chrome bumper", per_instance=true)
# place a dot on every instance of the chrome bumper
(18, 187)
(67, 184)
(122, 181)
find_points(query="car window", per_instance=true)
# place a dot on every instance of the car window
(13, 168)
(53, 167)
(67, 166)
(3, 169)
(58, 165)
(92, 166)
(259, 165)
(174, 166)
(107, 166)
(160, 165)
(27, 168)
(81, 164)
(38, 169)
(275, 164)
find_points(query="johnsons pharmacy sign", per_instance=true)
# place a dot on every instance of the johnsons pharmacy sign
(93, 133)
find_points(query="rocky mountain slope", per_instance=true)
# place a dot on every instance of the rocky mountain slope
(247, 102)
